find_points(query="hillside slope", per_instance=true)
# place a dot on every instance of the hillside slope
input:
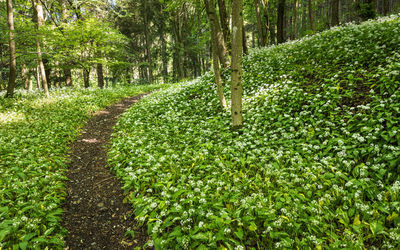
(315, 165)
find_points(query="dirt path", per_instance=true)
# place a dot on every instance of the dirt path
(95, 216)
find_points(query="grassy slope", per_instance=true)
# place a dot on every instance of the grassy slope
(34, 136)
(315, 165)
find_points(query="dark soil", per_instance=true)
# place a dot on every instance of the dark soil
(95, 215)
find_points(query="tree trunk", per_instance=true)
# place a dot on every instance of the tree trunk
(58, 75)
(335, 13)
(348, 11)
(260, 30)
(223, 16)
(147, 40)
(215, 57)
(25, 79)
(294, 29)
(236, 75)
(38, 82)
(311, 15)
(68, 77)
(177, 59)
(38, 10)
(386, 7)
(281, 20)
(216, 29)
(30, 82)
(86, 77)
(13, 61)
(47, 69)
(67, 71)
(244, 40)
(265, 21)
(164, 56)
(100, 76)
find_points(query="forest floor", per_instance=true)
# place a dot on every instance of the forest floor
(95, 215)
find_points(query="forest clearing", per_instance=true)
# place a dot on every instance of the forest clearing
(135, 124)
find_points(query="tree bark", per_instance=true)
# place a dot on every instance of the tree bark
(67, 71)
(335, 13)
(38, 10)
(215, 57)
(311, 15)
(30, 82)
(13, 61)
(216, 29)
(38, 82)
(177, 59)
(386, 7)
(100, 76)
(294, 29)
(86, 77)
(244, 39)
(25, 79)
(281, 20)
(260, 30)
(147, 40)
(164, 56)
(223, 16)
(236, 75)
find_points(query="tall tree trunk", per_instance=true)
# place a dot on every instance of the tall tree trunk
(13, 61)
(215, 57)
(236, 75)
(311, 15)
(147, 40)
(67, 71)
(244, 39)
(216, 29)
(164, 56)
(386, 7)
(223, 16)
(100, 76)
(47, 69)
(265, 21)
(30, 81)
(38, 82)
(260, 29)
(57, 73)
(335, 13)
(177, 59)
(281, 21)
(86, 78)
(348, 11)
(38, 10)
(25, 79)
(294, 28)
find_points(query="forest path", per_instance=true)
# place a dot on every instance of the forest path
(94, 213)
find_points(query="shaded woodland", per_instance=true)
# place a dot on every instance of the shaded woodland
(67, 42)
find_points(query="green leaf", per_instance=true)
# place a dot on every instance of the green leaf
(239, 233)
(376, 227)
(200, 236)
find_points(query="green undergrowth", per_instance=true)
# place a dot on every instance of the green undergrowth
(316, 164)
(34, 135)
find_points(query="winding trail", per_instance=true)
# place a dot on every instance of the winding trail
(95, 215)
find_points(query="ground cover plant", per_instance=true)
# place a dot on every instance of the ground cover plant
(316, 164)
(34, 135)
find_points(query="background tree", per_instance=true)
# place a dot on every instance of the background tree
(13, 62)
(236, 75)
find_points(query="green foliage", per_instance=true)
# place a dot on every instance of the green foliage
(34, 135)
(83, 43)
(316, 164)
